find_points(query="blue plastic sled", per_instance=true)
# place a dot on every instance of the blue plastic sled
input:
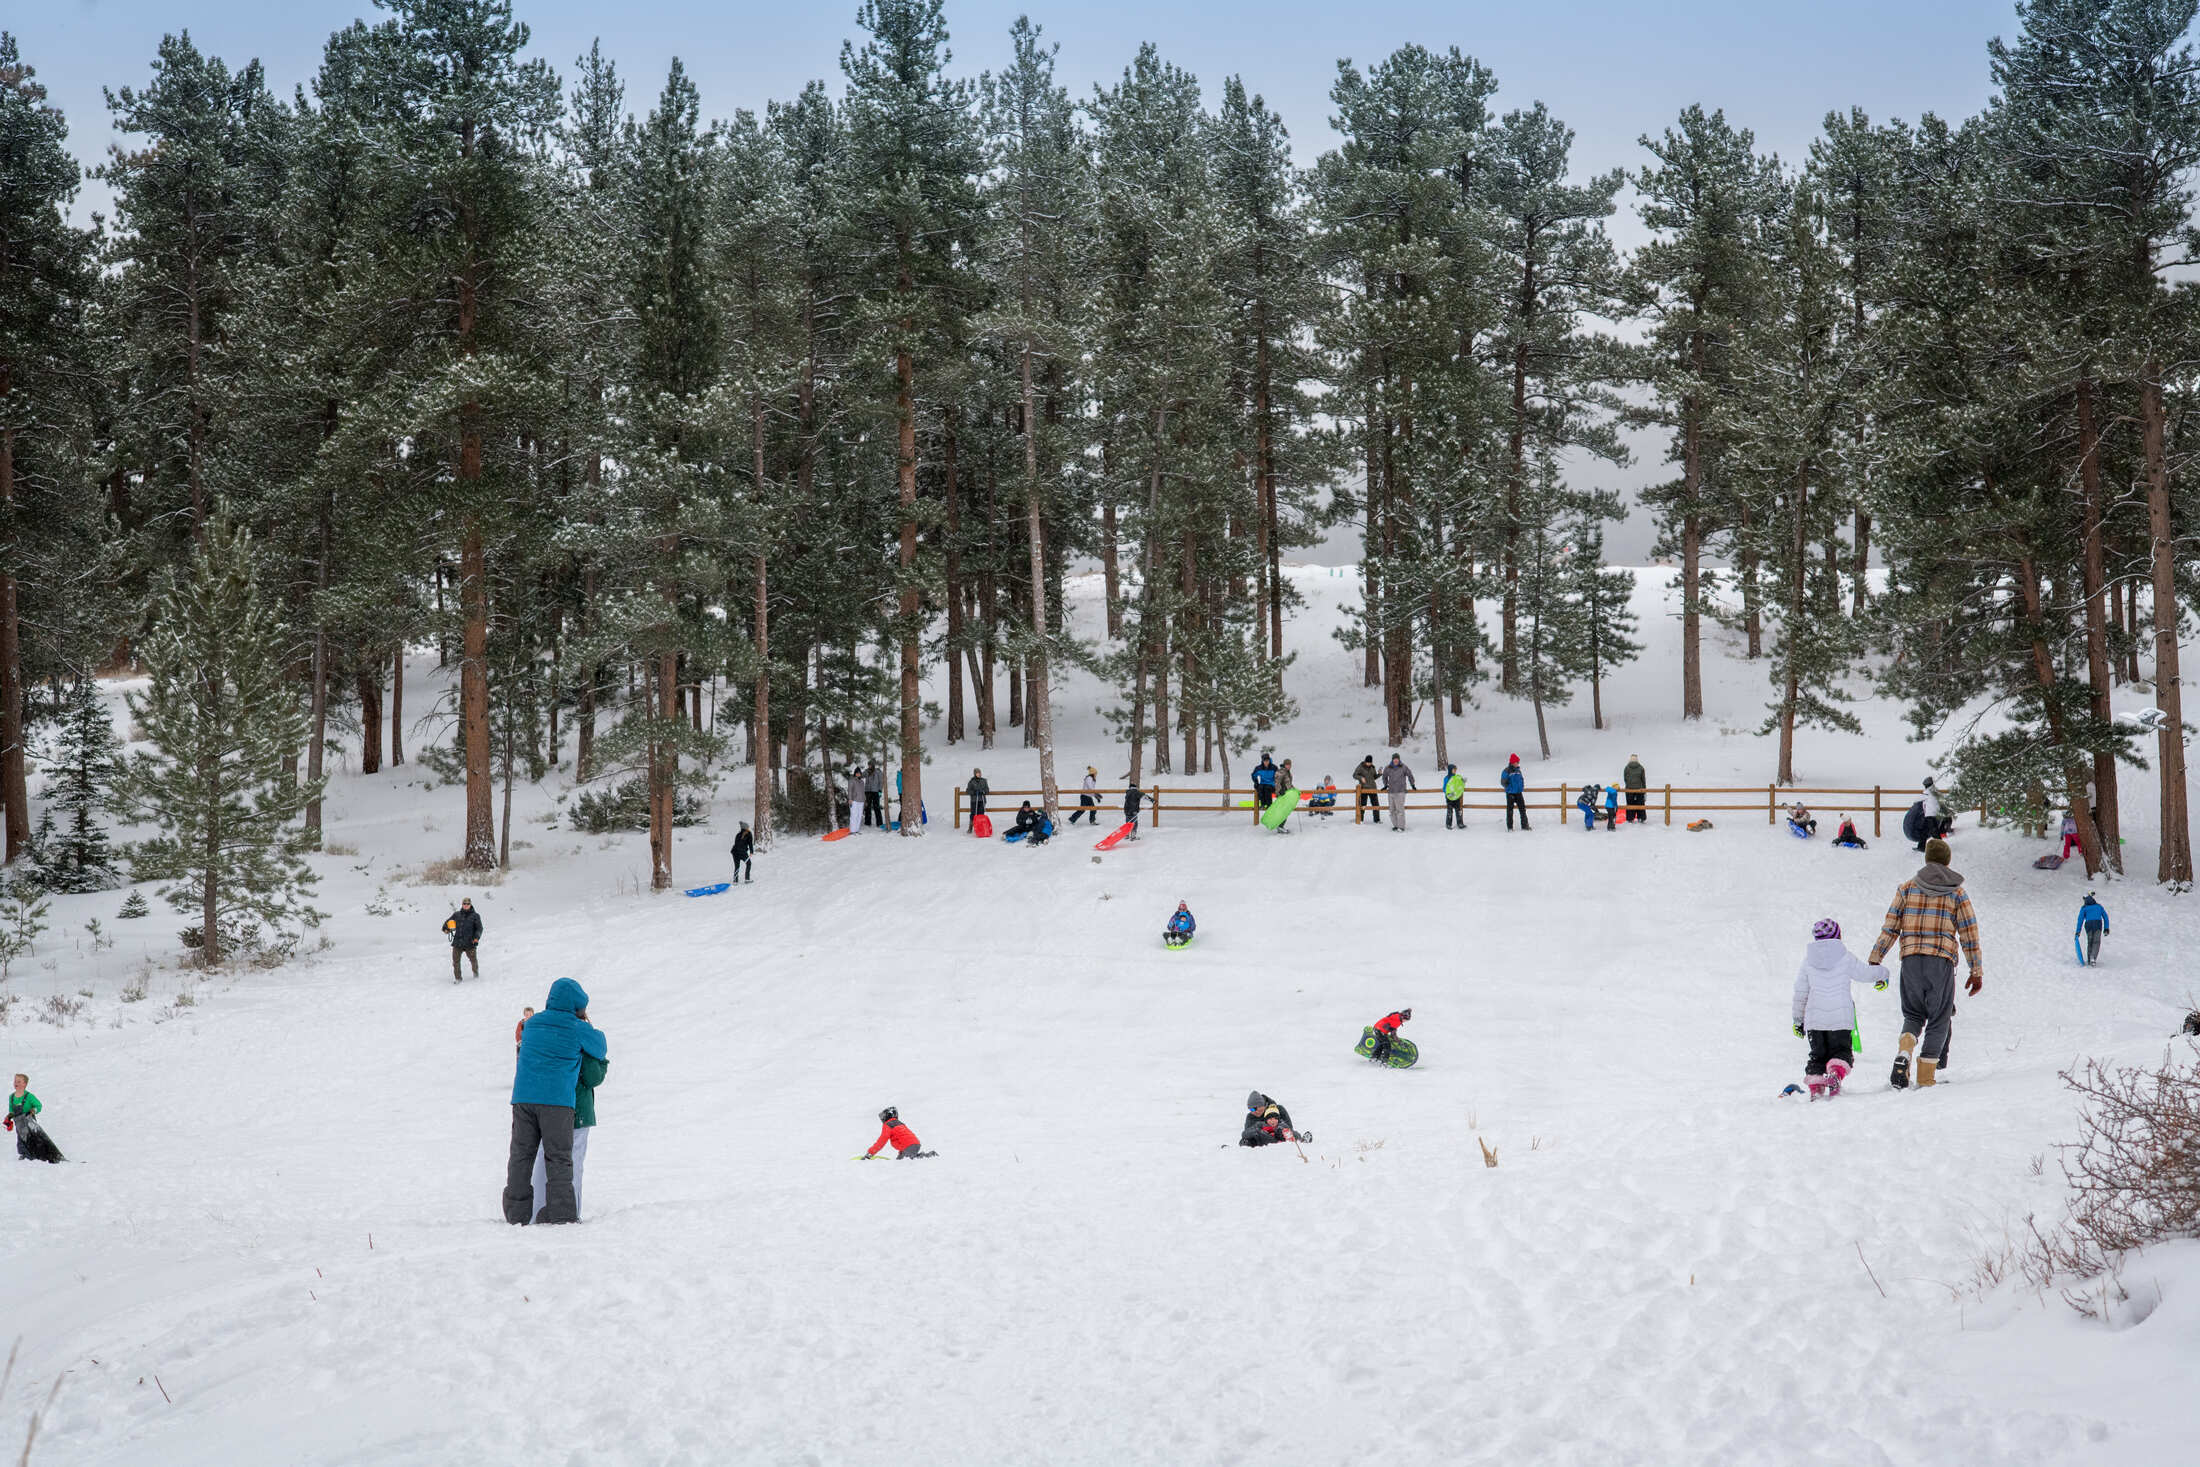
(2078, 941)
(1798, 831)
(1015, 835)
(708, 890)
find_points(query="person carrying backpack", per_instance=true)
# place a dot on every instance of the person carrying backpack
(1515, 784)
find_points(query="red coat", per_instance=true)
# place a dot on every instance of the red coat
(1388, 1024)
(896, 1135)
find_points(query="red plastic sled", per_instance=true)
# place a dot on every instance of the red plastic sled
(841, 834)
(1108, 843)
(981, 826)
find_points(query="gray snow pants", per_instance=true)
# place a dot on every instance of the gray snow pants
(1929, 1003)
(1397, 809)
(549, 1128)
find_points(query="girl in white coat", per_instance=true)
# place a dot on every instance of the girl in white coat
(1825, 1008)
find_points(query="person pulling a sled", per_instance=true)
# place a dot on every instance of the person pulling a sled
(1825, 1010)
(1267, 1123)
(891, 1132)
(1386, 1033)
(1181, 926)
(2093, 922)
(744, 855)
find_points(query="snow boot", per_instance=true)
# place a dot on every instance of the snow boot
(1900, 1079)
(1836, 1072)
(1925, 1068)
(1817, 1084)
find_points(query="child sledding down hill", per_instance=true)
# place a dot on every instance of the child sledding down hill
(1800, 822)
(1181, 926)
(891, 1132)
(1847, 836)
(1825, 1009)
(1267, 1123)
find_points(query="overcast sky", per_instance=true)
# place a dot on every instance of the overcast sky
(1612, 69)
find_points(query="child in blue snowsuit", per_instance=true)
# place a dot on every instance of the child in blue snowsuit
(2093, 922)
(1181, 926)
(1611, 807)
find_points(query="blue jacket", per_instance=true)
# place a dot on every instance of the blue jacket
(551, 1046)
(1513, 780)
(1611, 797)
(1182, 922)
(2093, 912)
(1265, 774)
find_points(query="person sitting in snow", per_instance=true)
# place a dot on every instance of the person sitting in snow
(1386, 1033)
(1267, 1123)
(1181, 926)
(1799, 819)
(31, 1141)
(1847, 835)
(1027, 821)
(2093, 922)
(1322, 800)
(1825, 1010)
(891, 1132)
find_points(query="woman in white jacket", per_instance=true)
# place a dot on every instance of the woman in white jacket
(1825, 1009)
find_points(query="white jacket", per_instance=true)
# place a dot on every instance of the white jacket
(1822, 997)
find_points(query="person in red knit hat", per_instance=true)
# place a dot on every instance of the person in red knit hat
(1515, 784)
(891, 1132)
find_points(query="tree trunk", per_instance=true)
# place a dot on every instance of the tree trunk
(1790, 678)
(954, 571)
(317, 736)
(511, 757)
(909, 603)
(664, 768)
(1753, 617)
(397, 704)
(1515, 480)
(1042, 693)
(1371, 672)
(2043, 671)
(2175, 865)
(2105, 812)
(370, 715)
(584, 715)
(473, 684)
(1110, 569)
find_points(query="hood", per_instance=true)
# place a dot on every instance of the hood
(1825, 952)
(1939, 878)
(567, 997)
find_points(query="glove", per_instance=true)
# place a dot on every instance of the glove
(1973, 984)
(11, 1123)
(1798, 1031)
(1880, 986)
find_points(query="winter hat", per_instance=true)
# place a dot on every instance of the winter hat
(1826, 927)
(1515, 759)
(1937, 852)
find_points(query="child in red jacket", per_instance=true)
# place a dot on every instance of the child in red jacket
(891, 1132)
(1386, 1030)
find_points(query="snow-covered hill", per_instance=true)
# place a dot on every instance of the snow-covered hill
(279, 1242)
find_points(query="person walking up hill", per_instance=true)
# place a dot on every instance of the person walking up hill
(464, 926)
(1930, 917)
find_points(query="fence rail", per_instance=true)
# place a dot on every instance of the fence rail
(1668, 800)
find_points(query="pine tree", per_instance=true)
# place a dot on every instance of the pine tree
(1603, 599)
(45, 283)
(224, 716)
(76, 856)
(1709, 201)
(910, 212)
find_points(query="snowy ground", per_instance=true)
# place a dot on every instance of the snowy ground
(282, 1244)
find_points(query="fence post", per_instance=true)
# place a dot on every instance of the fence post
(1770, 817)
(1157, 809)
(1562, 821)
(1669, 805)
(958, 807)
(1875, 812)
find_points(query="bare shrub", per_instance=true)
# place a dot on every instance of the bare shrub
(455, 872)
(2134, 1175)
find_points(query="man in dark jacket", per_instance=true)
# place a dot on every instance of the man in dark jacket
(874, 812)
(1266, 1123)
(744, 851)
(1638, 789)
(1264, 783)
(464, 925)
(1364, 803)
(544, 1087)
(1397, 779)
(1134, 799)
(977, 789)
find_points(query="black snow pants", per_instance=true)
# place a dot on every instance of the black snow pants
(1829, 1044)
(1929, 1002)
(1516, 801)
(549, 1128)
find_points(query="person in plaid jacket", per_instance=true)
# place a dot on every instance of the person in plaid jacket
(1931, 917)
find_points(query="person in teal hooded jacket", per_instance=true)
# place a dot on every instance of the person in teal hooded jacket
(2092, 926)
(552, 1046)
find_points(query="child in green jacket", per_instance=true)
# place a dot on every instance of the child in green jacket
(31, 1141)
